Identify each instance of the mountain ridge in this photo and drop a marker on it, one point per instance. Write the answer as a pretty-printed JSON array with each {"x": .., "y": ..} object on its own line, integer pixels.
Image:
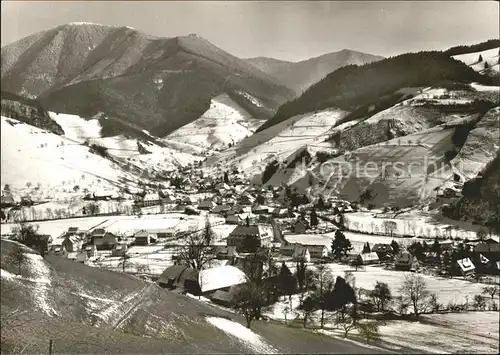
[
  {"x": 88, "y": 69},
  {"x": 302, "y": 74}
]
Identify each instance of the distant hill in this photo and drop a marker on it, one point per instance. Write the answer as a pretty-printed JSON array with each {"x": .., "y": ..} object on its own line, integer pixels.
[
  {"x": 301, "y": 75},
  {"x": 356, "y": 88},
  {"x": 29, "y": 111},
  {"x": 158, "y": 84}
]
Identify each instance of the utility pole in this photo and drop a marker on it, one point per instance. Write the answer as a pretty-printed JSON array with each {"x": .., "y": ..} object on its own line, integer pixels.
[{"x": 51, "y": 347}]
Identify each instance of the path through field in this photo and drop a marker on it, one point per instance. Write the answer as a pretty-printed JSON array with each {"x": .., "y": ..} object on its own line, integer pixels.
[{"x": 118, "y": 313}]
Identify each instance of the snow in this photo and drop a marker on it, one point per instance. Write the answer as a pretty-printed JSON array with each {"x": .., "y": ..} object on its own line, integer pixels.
[
  {"x": 481, "y": 87},
  {"x": 406, "y": 224},
  {"x": 247, "y": 336},
  {"x": 220, "y": 277},
  {"x": 471, "y": 59},
  {"x": 4, "y": 274},
  {"x": 279, "y": 141},
  {"x": 250, "y": 98},
  {"x": 225, "y": 122},
  {"x": 77, "y": 128},
  {"x": 42, "y": 153},
  {"x": 471, "y": 332},
  {"x": 41, "y": 274}
]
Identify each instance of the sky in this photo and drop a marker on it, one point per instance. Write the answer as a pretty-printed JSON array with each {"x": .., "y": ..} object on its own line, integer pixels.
[{"x": 287, "y": 30}]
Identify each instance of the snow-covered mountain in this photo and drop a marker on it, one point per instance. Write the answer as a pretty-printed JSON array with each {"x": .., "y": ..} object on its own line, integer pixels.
[
  {"x": 157, "y": 84},
  {"x": 397, "y": 119}
]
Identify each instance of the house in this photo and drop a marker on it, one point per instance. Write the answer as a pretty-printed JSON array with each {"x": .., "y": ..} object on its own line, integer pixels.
[
  {"x": 143, "y": 237},
  {"x": 190, "y": 210},
  {"x": 225, "y": 297},
  {"x": 490, "y": 250},
  {"x": 466, "y": 267},
  {"x": 368, "y": 258},
  {"x": 220, "y": 278},
  {"x": 242, "y": 234},
  {"x": 91, "y": 250},
  {"x": 246, "y": 199},
  {"x": 119, "y": 250},
  {"x": 151, "y": 199},
  {"x": 72, "y": 244},
  {"x": 162, "y": 232},
  {"x": 222, "y": 186},
  {"x": 207, "y": 205},
  {"x": 180, "y": 277},
  {"x": 317, "y": 251},
  {"x": 58, "y": 249},
  {"x": 103, "y": 240},
  {"x": 287, "y": 249},
  {"x": 260, "y": 209},
  {"x": 75, "y": 231},
  {"x": 382, "y": 250},
  {"x": 446, "y": 244},
  {"x": 300, "y": 226},
  {"x": 206, "y": 282},
  {"x": 168, "y": 199},
  {"x": 301, "y": 253},
  {"x": 238, "y": 209},
  {"x": 280, "y": 212},
  {"x": 405, "y": 261},
  {"x": 189, "y": 200},
  {"x": 221, "y": 209},
  {"x": 224, "y": 252},
  {"x": 234, "y": 219}
]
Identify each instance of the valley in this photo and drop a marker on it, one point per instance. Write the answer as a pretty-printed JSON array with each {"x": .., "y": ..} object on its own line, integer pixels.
[{"x": 160, "y": 194}]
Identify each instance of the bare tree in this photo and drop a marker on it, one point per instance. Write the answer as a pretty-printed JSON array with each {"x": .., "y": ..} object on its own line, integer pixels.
[
  {"x": 307, "y": 308},
  {"x": 92, "y": 208},
  {"x": 17, "y": 256},
  {"x": 381, "y": 296},
  {"x": 195, "y": 252},
  {"x": 389, "y": 227},
  {"x": 325, "y": 284},
  {"x": 249, "y": 300},
  {"x": 350, "y": 320},
  {"x": 369, "y": 331},
  {"x": 414, "y": 290},
  {"x": 125, "y": 262},
  {"x": 479, "y": 302},
  {"x": 490, "y": 290}
]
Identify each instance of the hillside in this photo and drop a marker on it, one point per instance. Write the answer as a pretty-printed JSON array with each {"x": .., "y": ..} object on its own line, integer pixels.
[
  {"x": 31, "y": 155},
  {"x": 224, "y": 124},
  {"x": 29, "y": 111},
  {"x": 301, "y": 75},
  {"x": 157, "y": 84},
  {"x": 252, "y": 154},
  {"x": 361, "y": 89},
  {"x": 486, "y": 62},
  {"x": 88, "y": 310}
]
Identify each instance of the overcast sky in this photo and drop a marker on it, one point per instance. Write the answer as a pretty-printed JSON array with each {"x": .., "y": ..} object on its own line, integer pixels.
[{"x": 292, "y": 30}]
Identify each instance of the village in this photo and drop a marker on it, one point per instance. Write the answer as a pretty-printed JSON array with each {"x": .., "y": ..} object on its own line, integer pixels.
[{"x": 209, "y": 237}]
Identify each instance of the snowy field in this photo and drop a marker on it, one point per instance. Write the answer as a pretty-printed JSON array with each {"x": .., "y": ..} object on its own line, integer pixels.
[
  {"x": 471, "y": 332},
  {"x": 365, "y": 222},
  {"x": 224, "y": 123},
  {"x": 471, "y": 59},
  {"x": 280, "y": 140},
  {"x": 125, "y": 225}
]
